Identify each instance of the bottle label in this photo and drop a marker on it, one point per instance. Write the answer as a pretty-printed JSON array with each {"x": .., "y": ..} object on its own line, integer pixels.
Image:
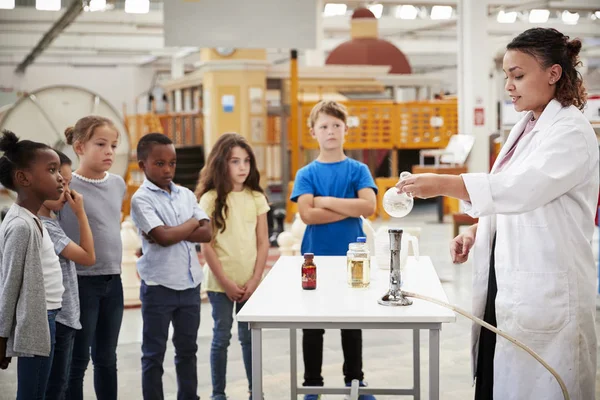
[{"x": 309, "y": 278}]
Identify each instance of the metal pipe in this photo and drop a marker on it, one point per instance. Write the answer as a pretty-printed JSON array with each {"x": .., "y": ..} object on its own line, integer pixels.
[
  {"x": 294, "y": 131},
  {"x": 60, "y": 25},
  {"x": 284, "y": 138}
]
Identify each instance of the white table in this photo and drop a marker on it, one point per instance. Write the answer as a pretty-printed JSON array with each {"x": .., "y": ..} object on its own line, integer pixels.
[{"x": 281, "y": 303}]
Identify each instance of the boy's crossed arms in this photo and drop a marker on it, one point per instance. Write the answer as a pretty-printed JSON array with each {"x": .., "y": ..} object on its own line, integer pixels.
[{"x": 326, "y": 209}]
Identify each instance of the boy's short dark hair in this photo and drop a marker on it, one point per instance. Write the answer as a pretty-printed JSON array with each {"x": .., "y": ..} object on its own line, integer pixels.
[
  {"x": 64, "y": 159},
  {"x": 147, "y": 141}
]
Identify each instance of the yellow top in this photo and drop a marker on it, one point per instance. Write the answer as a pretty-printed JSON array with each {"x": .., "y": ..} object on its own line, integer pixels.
[{"x": 236, "y": 248}]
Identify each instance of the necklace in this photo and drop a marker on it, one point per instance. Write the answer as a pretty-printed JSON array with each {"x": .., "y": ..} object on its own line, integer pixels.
[{"x": 90, "y": 180}]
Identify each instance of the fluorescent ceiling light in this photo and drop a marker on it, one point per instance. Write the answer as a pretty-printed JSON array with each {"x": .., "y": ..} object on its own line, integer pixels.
[
  {"x": 376, "y": 9},
  {"x": 137, "y": 6},
  {"x": 332, "y": 9},
  {"x": 7, "y": 4},
  {"x": 538, "y": 16},
  {"x": 597, "y": 14},
  {"x": 406, "y": 12},
  {"x": 441, "y": 12},
  {"x": 507, "y": 17},
  {"x": 570, "y": 18},
  {"x": 47, "y": 5},
  {"x": 96, "y": 5}
]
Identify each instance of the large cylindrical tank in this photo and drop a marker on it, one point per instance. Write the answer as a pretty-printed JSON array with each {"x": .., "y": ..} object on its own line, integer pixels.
[{"x": 44, "y": 114}]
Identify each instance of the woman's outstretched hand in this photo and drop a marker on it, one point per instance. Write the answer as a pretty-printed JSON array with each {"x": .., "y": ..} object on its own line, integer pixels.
[
  {"x": 422, "y": 186},
  {"x": 461, "y": 245}
]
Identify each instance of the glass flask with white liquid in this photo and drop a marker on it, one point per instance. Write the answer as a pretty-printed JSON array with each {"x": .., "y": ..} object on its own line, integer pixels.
[{"x": 396, "y": 204}]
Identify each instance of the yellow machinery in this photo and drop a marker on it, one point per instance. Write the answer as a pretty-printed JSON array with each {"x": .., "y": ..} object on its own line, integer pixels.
[
  {"x": 389, "y": 125},
  {"x": 183, "y": 129},
  {"x": 376, "y": 125}
]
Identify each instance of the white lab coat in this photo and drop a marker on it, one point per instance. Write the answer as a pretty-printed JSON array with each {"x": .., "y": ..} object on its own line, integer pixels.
[{"x": 542, "y": 207}]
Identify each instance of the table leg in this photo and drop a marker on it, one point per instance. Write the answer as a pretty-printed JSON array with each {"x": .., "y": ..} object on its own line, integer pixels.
[
  {"x": 293, "y": 365},
  {"x": 416, "y": 365},
  {"x": 354, "y": 389},
  {"x": 257, "y": 382},
  {"x": 434, "y": 364}
]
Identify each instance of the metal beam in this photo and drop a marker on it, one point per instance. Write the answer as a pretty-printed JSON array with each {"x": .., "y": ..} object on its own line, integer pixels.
[
  {"x": 65, "y": 20},
  {"x": 119, "y": 17},
  {"x": 79, "y": 28},
  {"x": 409, "y": 46},
  {"x": 96, "y": 42}
]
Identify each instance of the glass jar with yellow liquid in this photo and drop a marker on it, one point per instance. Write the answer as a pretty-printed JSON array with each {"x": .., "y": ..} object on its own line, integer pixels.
[{"x": 359, "y": 264}]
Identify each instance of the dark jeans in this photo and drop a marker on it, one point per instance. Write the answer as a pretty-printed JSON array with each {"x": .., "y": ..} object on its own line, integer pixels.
[
  {"x": 222, "y": 313},
  {"x": 33, "y": 372},
  {"x": 162, "y": 306},
  {"x": 312, "y": 350},
  {"x": 61, "y": 364},
  {"x": 101, "y": 302}
]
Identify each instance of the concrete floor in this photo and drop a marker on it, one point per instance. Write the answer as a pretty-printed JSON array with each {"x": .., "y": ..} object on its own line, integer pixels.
[{"x": 387, "y": 354}]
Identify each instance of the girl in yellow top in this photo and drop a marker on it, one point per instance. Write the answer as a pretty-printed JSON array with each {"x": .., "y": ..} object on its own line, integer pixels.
[{"x": 230, "y": 194}]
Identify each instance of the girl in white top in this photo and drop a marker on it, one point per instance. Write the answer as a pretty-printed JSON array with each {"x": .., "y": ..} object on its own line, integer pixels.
[{"x": 30, "y": 275}]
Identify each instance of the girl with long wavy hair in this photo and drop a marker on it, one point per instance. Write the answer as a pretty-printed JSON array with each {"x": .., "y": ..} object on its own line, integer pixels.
[{"x": 230, "y": 193}]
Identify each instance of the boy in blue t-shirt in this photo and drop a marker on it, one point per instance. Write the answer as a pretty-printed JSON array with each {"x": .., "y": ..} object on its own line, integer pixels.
[{"x": 332, "y": 193}]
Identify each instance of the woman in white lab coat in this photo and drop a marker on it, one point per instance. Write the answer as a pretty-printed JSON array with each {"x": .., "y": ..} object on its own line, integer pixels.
[{"x": 534, "y": 273}]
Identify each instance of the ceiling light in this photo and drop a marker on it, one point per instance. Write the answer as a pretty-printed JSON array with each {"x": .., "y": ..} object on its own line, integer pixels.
[
  {"x": 406, "y": 12},
  {"x": 137, "y": 6},
  {"x": 507, "y": 17},
  {"x": 47, "y": 5},
  {"x": 333, "y": 9},
  {"x": 441, "y": 12},
  {"x": 7, "y": 4},
  {"x": 376, "y": 9},
  {"x": 570, "y": 18},
  {"x": 538, "y": 16},
  {"x": 96, "y": 5}
]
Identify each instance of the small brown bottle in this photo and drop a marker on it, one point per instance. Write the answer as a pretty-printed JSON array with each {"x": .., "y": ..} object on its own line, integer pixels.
[{"x": 309, "y": 272}]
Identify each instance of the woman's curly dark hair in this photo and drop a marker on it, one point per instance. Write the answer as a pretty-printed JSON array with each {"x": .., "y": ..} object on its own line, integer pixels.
[{"x": 550, "y": 47}]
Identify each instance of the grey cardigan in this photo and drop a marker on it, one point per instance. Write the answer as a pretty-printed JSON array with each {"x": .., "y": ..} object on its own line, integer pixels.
[{"x": 23, "y": 315}]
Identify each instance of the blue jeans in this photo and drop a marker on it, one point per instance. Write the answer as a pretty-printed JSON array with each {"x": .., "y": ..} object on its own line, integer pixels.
[
  {"x": 61, "y": 364},
  {"x": 33, "y": 372},
  {"x": 162, "y": 306},
  {"x": 222, "y": 313},
  {"x": 101, "y": 302}
]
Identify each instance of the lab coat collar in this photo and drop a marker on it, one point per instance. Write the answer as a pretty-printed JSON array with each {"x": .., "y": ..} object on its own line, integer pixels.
[
  {"x": 545, "y": 119},
  {"x": 547, "y": 115}
]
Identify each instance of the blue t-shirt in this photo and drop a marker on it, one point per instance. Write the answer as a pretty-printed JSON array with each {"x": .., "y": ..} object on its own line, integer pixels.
[{"x": 342, "y": 179}]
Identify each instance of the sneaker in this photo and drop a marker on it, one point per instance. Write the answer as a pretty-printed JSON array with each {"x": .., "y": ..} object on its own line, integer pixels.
[
  {"x": 362, "y": 396},
  {"x": 312, "y": 397}
]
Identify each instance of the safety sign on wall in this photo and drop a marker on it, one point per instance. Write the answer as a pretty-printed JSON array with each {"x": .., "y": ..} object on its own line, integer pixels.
[
  {"x": 228, "y": 102},
  {"x": 479, "y": 117}
]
